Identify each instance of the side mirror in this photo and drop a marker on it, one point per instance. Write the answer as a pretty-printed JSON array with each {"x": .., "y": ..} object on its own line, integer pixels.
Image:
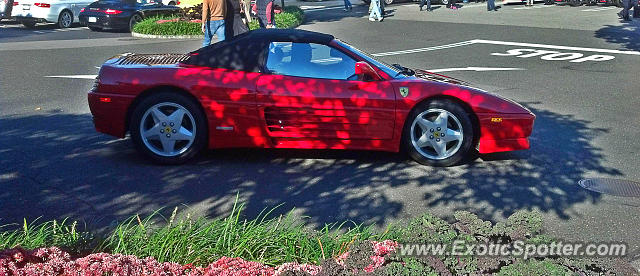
[{"x": 365, "y": 72}]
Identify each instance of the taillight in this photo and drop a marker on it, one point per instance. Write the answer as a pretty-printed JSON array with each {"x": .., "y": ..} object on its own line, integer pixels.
[
  {"x": 82, "y": 10},
  {"x": 16, "y": 3},
  {"x": 112, "y": 11},
  {"x": 42, "y": 5},
  {"x": 178, "y": 3}
]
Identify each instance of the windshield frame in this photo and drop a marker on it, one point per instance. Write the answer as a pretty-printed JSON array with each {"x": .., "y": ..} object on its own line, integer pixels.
[{"x": 390, "y": 70}]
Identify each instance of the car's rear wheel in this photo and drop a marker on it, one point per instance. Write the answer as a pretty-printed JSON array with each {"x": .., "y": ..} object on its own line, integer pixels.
[
  {"x": 438, "y": 133},
  {"x": 172, "y": 3},
  {"x": 168, "y": 127},
  {"x": 65, "y": 19},
  {"x": 135, "y": 19}
]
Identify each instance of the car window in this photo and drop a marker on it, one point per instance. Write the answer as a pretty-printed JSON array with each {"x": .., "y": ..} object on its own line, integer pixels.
[{"x": 309, "y": 60}]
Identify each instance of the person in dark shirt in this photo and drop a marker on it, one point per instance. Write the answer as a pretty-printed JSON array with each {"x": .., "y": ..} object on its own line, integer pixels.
[
  {"x": 234, "y": 25},
  {"x": 264, "y": 10}
]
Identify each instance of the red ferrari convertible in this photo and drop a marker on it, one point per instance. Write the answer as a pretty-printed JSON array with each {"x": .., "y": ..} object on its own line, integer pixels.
[{"x": 297, "y": 89}]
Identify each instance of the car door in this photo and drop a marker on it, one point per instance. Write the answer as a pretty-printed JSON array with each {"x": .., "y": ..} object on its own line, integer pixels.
[{"x": 310, "y": 91}]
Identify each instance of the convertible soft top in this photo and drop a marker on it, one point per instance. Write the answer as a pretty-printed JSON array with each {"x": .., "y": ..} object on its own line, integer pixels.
[{"x": 244, "y": 52}]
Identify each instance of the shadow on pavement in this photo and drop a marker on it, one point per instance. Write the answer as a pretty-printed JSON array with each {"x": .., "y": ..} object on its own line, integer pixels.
[
  {"x": 56, "y": 166},
  {"x": 627, "y": 35}
]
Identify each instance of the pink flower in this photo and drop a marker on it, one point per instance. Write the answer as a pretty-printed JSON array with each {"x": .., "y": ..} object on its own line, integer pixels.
[{"x": 296, "y": 267}]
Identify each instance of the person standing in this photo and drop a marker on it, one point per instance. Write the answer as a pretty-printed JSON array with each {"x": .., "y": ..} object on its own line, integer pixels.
[
  {"x": 375, "y": 13},
  {"x": 491, "y": 5},
  {"x": 624, "y": 13},
  {"x": 428, "y": 4},
  {"x": 234, "y": 25},
  {"x": 213, "y": 12},
  {"x": 265, "y": 13},
  {"x": 347, "y": 5}
]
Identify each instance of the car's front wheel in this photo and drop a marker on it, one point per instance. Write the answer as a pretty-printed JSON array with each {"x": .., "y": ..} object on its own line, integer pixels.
[
  {"x": 168, "y": 127},
  {"x": 65, "y": 19},
  {"x": 438, "y": 133}
]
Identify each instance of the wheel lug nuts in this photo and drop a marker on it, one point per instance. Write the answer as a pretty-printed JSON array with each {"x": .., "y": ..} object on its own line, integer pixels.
[
  {"x": 164, "y": 124},
  {"x": 168, "y": 135},
  {"x": 431, "y": 130},
  {"x": 174, "y": 131},
  {"x": 438, "y": 140},
  {"x": 431, "y": 137},
  {"x": 162, "y": 131},
  {"x": 171, "y": 124},
  {"x": 438, "y": 129}
]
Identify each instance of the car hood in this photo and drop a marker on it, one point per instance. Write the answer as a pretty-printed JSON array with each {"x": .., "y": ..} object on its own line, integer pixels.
[{"x": 430, "y": 76}]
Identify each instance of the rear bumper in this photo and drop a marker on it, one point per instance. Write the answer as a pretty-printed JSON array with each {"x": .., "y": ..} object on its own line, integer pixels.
[
  {"x": 109, "y": 112},
  {"x": 104, "y": 21},
  {"x": 504, "y": 132}
]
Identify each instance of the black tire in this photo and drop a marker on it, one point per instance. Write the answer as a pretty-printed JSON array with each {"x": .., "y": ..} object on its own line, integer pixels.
[
  {"x": 95, "y": 29},
  {"x": 172, "y": 3},
  {"x": 135, "y": 19},
  {"x": 466, "y": 146},
  {"x": 29, "y": 24},
  {"x": 444, "y": 2},
  {"x": 65, "y": 19},
  {"x": 367, "y": 1},
  {"x": 574, "y": 3},
  {"x": 388, "y": 2},
  {"x": 200, "y": 126}
]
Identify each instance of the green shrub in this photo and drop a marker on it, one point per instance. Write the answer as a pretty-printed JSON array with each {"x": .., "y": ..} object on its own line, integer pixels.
[
  {"x": 149, "y": 26},
  {"x": 428, "y": 229},
  {"x": 291, "y": 17},
  {"x": 535, "y": 268},
  {"x": 411, "y": 267}
]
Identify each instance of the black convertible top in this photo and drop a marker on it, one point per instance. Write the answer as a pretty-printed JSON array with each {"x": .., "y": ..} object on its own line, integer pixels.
[
  {"x": 290, "y": 35},
  {"x": 245, "y": 52}
]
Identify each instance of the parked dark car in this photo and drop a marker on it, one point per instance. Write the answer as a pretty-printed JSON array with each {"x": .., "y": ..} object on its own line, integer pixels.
[
  {"x": 121, "y": 14},
  {"x": 5, "y": 8}
]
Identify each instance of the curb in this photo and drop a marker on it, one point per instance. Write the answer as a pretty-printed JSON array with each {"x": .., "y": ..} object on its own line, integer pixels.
[{"x": 166, "y": 36}]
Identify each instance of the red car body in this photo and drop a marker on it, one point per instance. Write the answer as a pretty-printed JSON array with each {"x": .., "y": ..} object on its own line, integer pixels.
[{"x": 255, "y": 109}]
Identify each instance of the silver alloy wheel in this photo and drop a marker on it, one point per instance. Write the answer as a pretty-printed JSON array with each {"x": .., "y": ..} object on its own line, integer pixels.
[
  {"x": 436, "y": 134},
  {"x": 66, "y": 18},
  {"x": 168, "y": 129}
]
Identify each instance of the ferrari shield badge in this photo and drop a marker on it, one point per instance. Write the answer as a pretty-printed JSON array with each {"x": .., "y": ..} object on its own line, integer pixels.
[{"x": 404, "y": 91}]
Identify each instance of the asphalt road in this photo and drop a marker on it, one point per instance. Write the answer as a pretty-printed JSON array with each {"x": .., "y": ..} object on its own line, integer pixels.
[{"x": 586, "y": 98}]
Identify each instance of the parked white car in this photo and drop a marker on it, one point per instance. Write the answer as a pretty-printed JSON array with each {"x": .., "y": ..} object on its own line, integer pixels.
[{"x": 62, "y": 12}]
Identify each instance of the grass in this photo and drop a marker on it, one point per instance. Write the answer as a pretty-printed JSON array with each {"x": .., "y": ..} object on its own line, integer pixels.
[
  {"x": 35, "y": 234},
  {"x": 291, "y": 17},
  {"x": 266, "y": 239}
]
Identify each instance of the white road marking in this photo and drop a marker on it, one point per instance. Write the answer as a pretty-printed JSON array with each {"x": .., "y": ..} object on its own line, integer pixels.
[
  {"x": 411, "y": 51},
  {"x": 599, "y": 9},
  {"x": 324, "y": 9},
  {"x": 88, "y": 77},
  {"x": 534, "y": 7},
  {"x": 557, "y": 47},
  {"x": 477, "y": 69}
]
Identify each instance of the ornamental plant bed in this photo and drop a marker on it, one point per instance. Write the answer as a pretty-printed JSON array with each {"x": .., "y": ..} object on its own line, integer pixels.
[
  {"x": 189, "y": 22},
  {"x": 280, "y": 246}
]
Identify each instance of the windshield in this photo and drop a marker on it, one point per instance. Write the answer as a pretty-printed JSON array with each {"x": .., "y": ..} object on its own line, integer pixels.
[{"x": 387, "y": 68}]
